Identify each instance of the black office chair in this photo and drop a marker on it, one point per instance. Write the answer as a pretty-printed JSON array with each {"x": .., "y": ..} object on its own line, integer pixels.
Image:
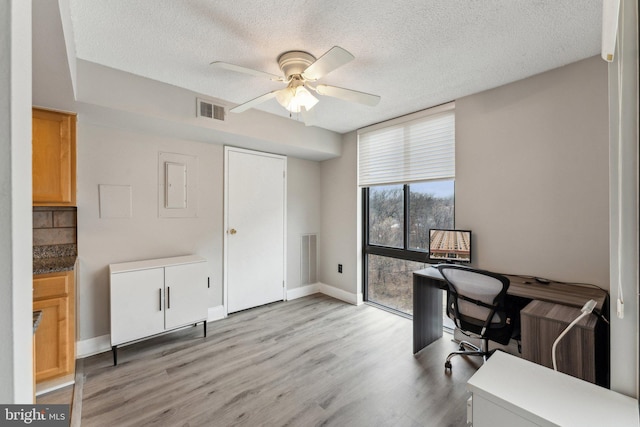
[{"x": 476, "y": 303}]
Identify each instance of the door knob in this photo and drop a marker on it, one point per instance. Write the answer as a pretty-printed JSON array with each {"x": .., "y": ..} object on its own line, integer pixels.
[{"x": 232, "y": 231}]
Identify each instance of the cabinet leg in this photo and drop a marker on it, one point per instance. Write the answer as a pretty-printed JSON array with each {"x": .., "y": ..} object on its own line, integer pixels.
[
  {"x": 204, "y": 325},
  {"x": 114, "y": 349}
]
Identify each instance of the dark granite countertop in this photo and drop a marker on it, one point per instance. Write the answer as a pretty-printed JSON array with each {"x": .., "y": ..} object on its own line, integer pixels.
[
  {"x": 53, "y": 264},
  {"x": 37, "y": 317},
  {"x": 54, "y": 258}
]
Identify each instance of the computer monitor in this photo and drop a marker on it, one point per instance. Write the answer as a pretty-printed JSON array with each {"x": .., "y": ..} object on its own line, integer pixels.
[{"x": 450, "y": 245}]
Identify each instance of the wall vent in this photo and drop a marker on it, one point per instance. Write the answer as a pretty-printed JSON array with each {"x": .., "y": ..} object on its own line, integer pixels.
[
  {"x": 308, "y": 259},
  {"x": 209, "y": 110}
]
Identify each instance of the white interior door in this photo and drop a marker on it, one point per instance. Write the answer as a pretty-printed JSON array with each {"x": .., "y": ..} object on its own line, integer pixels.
[{"x": 255, "y": 197}]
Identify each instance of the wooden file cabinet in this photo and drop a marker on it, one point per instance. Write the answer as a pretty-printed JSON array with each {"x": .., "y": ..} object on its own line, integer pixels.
[{"x": 582, "y": 353}]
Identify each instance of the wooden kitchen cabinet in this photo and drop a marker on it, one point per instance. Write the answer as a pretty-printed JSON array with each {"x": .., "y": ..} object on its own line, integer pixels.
[
  {"x": 54, "y": 295},
  {"x": 54, "y": 158}
]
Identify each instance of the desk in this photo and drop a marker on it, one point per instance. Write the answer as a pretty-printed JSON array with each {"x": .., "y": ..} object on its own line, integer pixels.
[
  {"x": 509, "y": 391},
  {"x": 427, "y": 300}
]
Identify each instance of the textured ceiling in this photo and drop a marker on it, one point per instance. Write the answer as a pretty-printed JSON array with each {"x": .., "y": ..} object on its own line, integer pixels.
[{"x": 413, "y": 53}]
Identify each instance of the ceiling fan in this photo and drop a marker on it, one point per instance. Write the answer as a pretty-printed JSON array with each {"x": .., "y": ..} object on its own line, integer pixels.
[{"x": 300, "y": 69}]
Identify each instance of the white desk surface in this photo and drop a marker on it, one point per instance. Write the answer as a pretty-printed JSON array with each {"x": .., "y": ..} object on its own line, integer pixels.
[{"x": 550, "y": 398}]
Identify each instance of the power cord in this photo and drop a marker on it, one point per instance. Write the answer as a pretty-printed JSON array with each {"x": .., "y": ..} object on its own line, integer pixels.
[{"x": 586, "y": 309}]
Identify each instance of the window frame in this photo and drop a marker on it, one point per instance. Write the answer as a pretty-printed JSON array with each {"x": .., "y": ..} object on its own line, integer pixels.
[{"x": 404, "y": 253}]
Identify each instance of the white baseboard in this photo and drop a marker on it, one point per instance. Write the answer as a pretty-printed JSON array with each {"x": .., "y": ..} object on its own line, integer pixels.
[
  {"x": 47, "y": 386},
  {"x": 86, "y": 348},
  {"x": 355, "y": 299},
  {"x": 329, "y": 290},
  {"x": 303, "y": 291},
  {"x": 216, "y": 313},
  {"x": 91, "y": 346}
]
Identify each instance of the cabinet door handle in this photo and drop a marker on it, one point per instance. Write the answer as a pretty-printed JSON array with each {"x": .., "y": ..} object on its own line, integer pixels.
[
  {"x": 160, "y": 299},
  {"x": 168, "y": 297}
]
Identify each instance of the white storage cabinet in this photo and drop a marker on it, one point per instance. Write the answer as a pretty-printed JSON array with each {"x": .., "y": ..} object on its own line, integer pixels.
[
  {"x": 155, "y": 296},
  {"x": 509, "y": 391}
]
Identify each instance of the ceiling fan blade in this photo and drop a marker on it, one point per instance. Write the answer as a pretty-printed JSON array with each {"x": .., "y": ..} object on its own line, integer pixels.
[
  {"x": 250, "y": 104},
  {"x": 239, "y": 69},
  {"x": 332, "y": 59},
  {"x": 348, "y": 95}
]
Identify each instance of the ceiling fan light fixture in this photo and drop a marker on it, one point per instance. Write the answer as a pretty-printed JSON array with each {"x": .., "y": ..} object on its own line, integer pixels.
[
  {"x": 300, "y": 68},
  {"x": 294, "y": 99}
]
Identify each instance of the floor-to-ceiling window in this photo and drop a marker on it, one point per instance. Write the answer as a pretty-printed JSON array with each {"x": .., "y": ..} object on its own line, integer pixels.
[
  {"x": 407, "y": 173},
  {"x": 397, "y": 223}
]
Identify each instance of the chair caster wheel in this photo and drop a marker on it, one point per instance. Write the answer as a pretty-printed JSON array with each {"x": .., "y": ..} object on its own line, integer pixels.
[{"x": 447, "y": 365}]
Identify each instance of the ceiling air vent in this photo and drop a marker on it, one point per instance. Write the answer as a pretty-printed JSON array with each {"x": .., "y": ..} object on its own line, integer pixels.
[{"x": 209, "y": 110}]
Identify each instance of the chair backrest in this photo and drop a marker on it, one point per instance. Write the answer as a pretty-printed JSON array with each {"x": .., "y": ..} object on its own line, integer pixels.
[{"x": 476, "y": 298}]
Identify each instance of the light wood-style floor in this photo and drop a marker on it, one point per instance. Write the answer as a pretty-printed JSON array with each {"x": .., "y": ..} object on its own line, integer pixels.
[{"x": 313, "y": 361}]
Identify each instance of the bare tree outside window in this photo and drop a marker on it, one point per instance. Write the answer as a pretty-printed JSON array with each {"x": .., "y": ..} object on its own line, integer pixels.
[
  {"x": 430, "y": 205},
  {"x": 391, "y": 282},
  {"x": 386, "y": 216}
]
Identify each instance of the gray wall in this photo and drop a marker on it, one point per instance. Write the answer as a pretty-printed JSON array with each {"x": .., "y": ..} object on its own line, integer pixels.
[
  {"x": 531, "y": 168},
  {"x": 532, "y": 174},
  {"x": 118, "y": 157},
  {"x": 113, "y": 156},
  {"x": 340, "y": 219},
  {"x": 303, "y": 212}
]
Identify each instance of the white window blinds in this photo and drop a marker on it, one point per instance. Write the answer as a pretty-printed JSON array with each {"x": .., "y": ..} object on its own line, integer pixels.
[{"x": 408, "y": 149}]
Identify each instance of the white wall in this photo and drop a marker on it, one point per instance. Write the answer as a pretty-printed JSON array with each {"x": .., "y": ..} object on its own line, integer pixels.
[
  {"x": 532, "y": 174},
  {"x": 112, "y": 156},
  {"x": 340, "y": 203},
  {"x": 52, "y": 83},
  {"x": 303, "y": 211},
  {"x": 16, "y": 375},
  {"x": 624, "y": 203}
]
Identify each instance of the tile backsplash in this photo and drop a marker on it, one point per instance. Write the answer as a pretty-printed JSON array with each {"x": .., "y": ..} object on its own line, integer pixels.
[{"x": 54, "y": 225}]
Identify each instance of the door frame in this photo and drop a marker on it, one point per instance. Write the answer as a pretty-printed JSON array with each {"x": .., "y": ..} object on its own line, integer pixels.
[{"x": 225, "y": 231}]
